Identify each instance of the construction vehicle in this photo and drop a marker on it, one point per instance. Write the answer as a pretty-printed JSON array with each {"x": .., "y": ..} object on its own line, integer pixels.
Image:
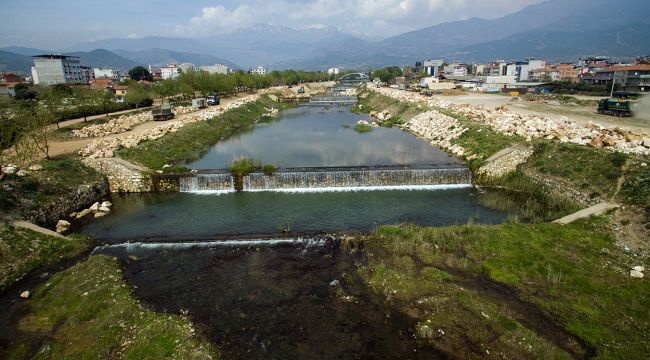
[
  {"x": 301, "y": 90},
  {"x": 162, "y": 113},
  {"x": 615, "y": 107}
]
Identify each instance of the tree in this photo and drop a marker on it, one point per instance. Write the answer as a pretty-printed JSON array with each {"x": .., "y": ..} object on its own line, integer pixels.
[
  {"x": 25, "y": 92},
  {"x": 137, "y": 96},
  {"x": 139, "y": 73}
]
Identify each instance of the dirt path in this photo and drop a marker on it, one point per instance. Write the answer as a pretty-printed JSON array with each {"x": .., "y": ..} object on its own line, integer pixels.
[
  {"x": 71, "y": 122},
  {"x": 579, "y": 114},
  {"x": 73, "y": 146}
]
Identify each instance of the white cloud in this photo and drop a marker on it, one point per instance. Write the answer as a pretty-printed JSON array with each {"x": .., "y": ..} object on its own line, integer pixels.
[{"x": 382, "y": 17}]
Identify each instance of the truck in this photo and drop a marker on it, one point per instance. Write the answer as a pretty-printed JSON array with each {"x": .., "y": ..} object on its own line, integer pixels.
[
  {"x": 198, "y": 103},
  {"x": 615, "y": 107},
  {"x": 213, "y": 100},
  {"x": 163, "y": 112}
]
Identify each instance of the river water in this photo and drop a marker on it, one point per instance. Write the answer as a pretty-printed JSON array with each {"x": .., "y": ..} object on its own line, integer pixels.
[{"x": 292, "y": 298}]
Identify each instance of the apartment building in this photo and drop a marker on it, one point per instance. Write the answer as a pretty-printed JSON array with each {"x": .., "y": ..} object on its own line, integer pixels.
[{"x": 56, "y": 69}]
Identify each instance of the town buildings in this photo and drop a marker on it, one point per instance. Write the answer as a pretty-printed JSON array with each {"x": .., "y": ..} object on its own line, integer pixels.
[
  {"x": 106, "y": 73},
  {"x": 216, "y": 69},
  {"x": 260, "y": 70},
  {"x": 333, "y": 71},
  {"x": 56, "y": 69},
  {"x": 87, "y": 74},
  {"x": 170, "y": 71},
  {"x": 631, "y": 78},
  {"x": 432, "y": 67}
]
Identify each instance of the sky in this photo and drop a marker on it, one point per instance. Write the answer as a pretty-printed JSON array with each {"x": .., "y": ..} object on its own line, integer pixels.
[{"x": 56, "y": 24}]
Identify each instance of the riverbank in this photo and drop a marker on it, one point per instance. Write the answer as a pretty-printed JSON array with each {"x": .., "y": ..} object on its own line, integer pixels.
[{"x": 88, "y": 311}]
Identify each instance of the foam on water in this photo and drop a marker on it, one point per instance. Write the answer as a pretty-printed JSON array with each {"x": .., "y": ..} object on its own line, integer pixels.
[
  {"x": 134, "y": 246},
  {"x": 366, "y": 188}
]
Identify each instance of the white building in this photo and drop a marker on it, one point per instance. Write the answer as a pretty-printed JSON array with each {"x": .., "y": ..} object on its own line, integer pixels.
[
  {"x": 56, "y": 69},
  {"x": 34, "y": 75},
  {"x": 189, "y": 67},
  {"x": 333, "y": 71},
  {"x": 106, "y": 73},
  {"x": 216, "y": 69},
  {"x": 432, "y": 67},
  {"x": 521, "y": 69},
  {"x": 260, "y": 70},
  {"x": 170, "y": 71}
]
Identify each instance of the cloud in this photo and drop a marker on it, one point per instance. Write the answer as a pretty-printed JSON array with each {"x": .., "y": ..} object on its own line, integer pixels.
[{"x": 383, "y": 17}]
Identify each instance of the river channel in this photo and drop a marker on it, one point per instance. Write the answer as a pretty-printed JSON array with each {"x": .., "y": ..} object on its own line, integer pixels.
[{"x": 208, "y": 254}]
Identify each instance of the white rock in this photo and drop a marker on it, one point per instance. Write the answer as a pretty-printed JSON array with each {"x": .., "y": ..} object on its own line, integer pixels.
[
  {"x": 21, "y": 173},
  {"x": 334, "y": 283},
  {"x": 644, "y": 164},
  {"x": 636, "y": 274},
  {"x": 94, "y": 207},
  {"x": 25, "y": 294},
  {"x": 83, "y": 213},
  {"x": 37, "y": 167},
  {"x": 104, "y": 209},
  {"x": 62, "y": 226},
  {"x": 166, "y": 166},
  {"x": 646, "y": 142},
  {"x": 10, "y": 169},
  {"x": 639, "y": 268},
  {"x": 100, "y": 214},
  {"x": 106, "y": 204}
]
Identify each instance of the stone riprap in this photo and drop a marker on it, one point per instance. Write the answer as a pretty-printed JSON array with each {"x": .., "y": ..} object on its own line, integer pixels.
[
  {"x": 533, "y": 126},
  {"x": 505, "y": 161},
  {"x": 105, "y": 148},
  {"x": 439, "y": 130},
  {"x": 123, "y": 123},
  {"x": 123, "y": 176}
]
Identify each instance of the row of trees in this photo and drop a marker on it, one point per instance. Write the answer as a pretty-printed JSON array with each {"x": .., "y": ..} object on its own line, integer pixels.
[{"x": 387, "y": 74}]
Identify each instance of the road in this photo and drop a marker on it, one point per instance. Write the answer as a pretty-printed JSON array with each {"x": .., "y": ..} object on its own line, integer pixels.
[
  {"x": 579, "y": 114},
  {"x": 70, "y": 122}
]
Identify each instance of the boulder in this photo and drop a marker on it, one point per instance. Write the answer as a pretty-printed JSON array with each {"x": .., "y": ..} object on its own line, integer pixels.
[
  {"x": 21, "y": 173},
  {"x": 104, "y": 209},
  {"x": 646, "y": 142},
  {"x": 37, "y": 167},
  {"x": 639, "y": 268},
  {"x": 106, "y": 204},
  {"x": 25, "y": 294},
  {"x": 10, "y": 169},
  {"x": 636, "y": 274},
  {"x": 62, "y": 226},
  {"x": 83, "y": 213},
  {"x": 94, "y": 207},
  {"x": 100, "y": 214},
  {"x": 334, "y": 283}
]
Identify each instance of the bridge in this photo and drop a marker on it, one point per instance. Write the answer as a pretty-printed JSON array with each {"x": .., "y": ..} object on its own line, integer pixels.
[
  {"x": 354, "y": 78},
  {"x": 334, "y": 100}
]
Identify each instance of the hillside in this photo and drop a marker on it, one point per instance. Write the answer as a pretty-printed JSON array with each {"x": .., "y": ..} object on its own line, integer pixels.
[
  {"x": 15, "y": 63},
  {"x": 158, "y": 57},
  {"x": 104, "y": 58}
]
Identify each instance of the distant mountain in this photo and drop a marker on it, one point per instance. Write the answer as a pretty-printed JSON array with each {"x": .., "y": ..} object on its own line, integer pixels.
[
  {"x": 20, "y": 50},
  {"x": 158, "y": 57},
  {"x": 16, "y": 63},
  {"x": 104, "y": 58},
  {"x": 622, "y": 30}
]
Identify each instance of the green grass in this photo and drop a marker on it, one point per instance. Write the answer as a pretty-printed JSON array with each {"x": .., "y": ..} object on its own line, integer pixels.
[
  {"x": 88, "y": 312},
  {"x": 269, "y": 169},
  {"x": 595, "y": 171},
  {"x": 22, "y": 251},
  {"x": 574, "y": 273},
  {"x": 243, "y": 166},
  {"x": 363, "y": 128},
  {"x": 400, "y": 111},
  {"x": 193, "y": 140}
]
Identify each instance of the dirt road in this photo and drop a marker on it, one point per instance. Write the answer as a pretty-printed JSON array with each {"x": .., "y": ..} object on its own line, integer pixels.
[{"x": 579, "y": 114}]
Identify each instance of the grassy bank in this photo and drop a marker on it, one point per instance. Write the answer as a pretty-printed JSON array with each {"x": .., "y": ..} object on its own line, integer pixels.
[
  {"x": 22, "y": 251},
  {"x": 479, "y": 291},
  {"x": 195, "y": 139},
  {"x": 88, "y": 312},
  {"x": 60, "y": 177}
]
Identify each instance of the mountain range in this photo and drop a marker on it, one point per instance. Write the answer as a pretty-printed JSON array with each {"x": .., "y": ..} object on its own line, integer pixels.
[{"x": 554, "y": 29}]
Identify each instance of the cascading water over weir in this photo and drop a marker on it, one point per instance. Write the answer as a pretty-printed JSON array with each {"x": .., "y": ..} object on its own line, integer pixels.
[{"x": 331, "y": 179}]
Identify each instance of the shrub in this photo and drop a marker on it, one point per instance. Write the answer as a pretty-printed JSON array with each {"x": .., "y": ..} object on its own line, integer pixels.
[
  {"x": 242, "y": 166},
  {"x": 269, "y": 169},
  {"x": 363, "y": 128}
]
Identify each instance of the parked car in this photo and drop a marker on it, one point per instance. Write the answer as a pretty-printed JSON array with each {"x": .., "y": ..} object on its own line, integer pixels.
[{"x": 213, "y": 100}]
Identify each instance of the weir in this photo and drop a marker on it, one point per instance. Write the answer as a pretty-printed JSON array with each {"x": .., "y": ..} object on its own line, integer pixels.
[{"x": 330, "y": 178}]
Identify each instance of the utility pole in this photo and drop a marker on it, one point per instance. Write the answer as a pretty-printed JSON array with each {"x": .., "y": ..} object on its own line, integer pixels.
[{"x": 611, "y": 93}]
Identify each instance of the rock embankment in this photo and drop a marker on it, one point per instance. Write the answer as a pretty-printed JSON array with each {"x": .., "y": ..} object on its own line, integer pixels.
[
  {"x": 536, "y": 126},
  {"x": 439, "y": 130},
  {"x": 122, "y": 124},
  {"x": 105, "y": 148}
]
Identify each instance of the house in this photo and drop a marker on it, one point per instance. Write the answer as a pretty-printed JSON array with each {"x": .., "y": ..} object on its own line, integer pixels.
[
  {"x": 56, "y": 69},
  {"x": 102, "y": 83},
  {"x": 260, "y": 70},
  {"x": 120, "y": 92},
  {"x": 170, "y": 71},
  {"x": 629, "y": 78},
  {"x": 216, "y": 69},
  {"x": 87, "y": 74},
  {"x": 106, "y": 73},
  {"x": 432, "y": 67},
  {"x": 333, "y": 71},
  {"x": 521, "y": 69},
  {"x": 544, "y": 74}
]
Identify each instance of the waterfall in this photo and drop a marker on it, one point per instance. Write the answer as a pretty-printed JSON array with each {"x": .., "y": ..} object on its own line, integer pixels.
[
  {"x": 371, "y": 178},
  {"x": 338, "y": 179},
  {"x": 207, "y": 182}
]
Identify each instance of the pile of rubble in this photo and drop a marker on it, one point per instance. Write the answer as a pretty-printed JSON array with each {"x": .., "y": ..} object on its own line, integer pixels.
[
  {"x": 438, "y": 129},
  {"x": 348, "y": 92},
  {"x": 104, "y": 148},
  {"x": 123, "y": 123},
  {"x": 532, "y": 126}
]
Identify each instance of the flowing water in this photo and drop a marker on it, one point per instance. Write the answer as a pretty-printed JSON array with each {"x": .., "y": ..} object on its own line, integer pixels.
[
  {"x": 309, "y": 136},
  {"x": 288, "y": 298}
]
